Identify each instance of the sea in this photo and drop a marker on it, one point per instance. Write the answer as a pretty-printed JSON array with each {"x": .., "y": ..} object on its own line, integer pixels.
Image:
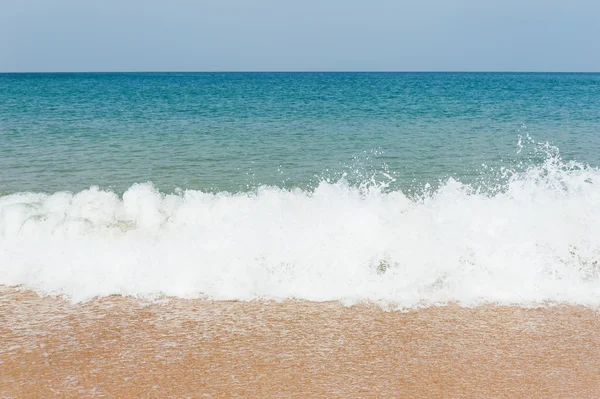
[{"x": 404, "y": 189}]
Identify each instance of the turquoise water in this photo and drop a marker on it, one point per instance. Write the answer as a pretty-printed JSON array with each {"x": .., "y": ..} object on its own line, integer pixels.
[
  {"x": 407, "y": 189},
  {"x": 237, "y": 131}
]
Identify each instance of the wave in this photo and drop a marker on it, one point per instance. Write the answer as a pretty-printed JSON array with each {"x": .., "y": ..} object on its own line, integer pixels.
[{"x": 535, "y": 241}]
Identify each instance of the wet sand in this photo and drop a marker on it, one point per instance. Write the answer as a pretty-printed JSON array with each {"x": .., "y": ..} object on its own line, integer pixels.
[{"x": 127, "y": 348}]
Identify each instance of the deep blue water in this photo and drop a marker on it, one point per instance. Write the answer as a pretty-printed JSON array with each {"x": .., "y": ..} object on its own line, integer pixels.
[{"x": 238, "y": 131}]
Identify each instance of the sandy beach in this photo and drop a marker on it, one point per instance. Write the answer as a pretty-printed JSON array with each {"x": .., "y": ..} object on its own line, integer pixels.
[{"x": 124, "y": 348}]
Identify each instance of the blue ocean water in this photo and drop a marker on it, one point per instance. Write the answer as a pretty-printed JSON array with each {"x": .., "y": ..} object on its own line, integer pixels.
[
  {"x": 238, "y": 131},
  {"x": 411, "y": 189}
]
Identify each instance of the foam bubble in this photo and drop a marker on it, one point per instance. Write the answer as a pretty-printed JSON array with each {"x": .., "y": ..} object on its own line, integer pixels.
[{"x": 536, "y": 240}]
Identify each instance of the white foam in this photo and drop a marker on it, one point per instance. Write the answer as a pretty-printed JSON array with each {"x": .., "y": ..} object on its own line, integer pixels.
[{"x": 537, "y": 241}]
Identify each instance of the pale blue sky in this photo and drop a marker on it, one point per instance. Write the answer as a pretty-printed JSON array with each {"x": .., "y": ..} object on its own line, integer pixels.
[{"x": 232, "y": 35}]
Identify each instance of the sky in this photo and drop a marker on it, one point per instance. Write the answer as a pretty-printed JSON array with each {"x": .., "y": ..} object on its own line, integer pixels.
[{"x": 300, "y": 35}]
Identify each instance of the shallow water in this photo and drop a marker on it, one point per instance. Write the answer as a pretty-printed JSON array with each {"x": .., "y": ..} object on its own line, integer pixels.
[{"x": 125, "y": 347}]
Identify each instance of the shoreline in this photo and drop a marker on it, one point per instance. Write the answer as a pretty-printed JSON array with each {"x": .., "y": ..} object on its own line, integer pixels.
[{"x": 125, "y": 347}]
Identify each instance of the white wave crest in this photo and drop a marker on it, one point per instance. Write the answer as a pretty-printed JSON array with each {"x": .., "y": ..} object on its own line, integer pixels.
[{"x": 537, "y": 240}]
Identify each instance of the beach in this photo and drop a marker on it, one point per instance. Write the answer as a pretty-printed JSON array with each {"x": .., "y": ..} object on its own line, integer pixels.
[
  {"x": 299, "y": 235},
  {"x": 125, "y": 347}
]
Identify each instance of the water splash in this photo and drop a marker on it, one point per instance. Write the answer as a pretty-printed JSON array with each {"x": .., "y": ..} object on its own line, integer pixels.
[{"x": 535, "y": 240}]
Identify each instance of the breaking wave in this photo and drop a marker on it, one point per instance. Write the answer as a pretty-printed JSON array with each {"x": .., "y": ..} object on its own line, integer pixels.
[{"x": 536, "y": 240}]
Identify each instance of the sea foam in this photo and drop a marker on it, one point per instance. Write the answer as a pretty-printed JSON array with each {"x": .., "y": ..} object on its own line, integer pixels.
[{"x": 536, "y": 240}]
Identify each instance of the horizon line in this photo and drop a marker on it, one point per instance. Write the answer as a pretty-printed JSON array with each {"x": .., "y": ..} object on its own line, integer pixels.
[{"x": 292, "y": 71}]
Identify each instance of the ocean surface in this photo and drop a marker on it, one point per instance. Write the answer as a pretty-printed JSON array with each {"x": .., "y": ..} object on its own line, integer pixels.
[{"x": 408, "y": 189}]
